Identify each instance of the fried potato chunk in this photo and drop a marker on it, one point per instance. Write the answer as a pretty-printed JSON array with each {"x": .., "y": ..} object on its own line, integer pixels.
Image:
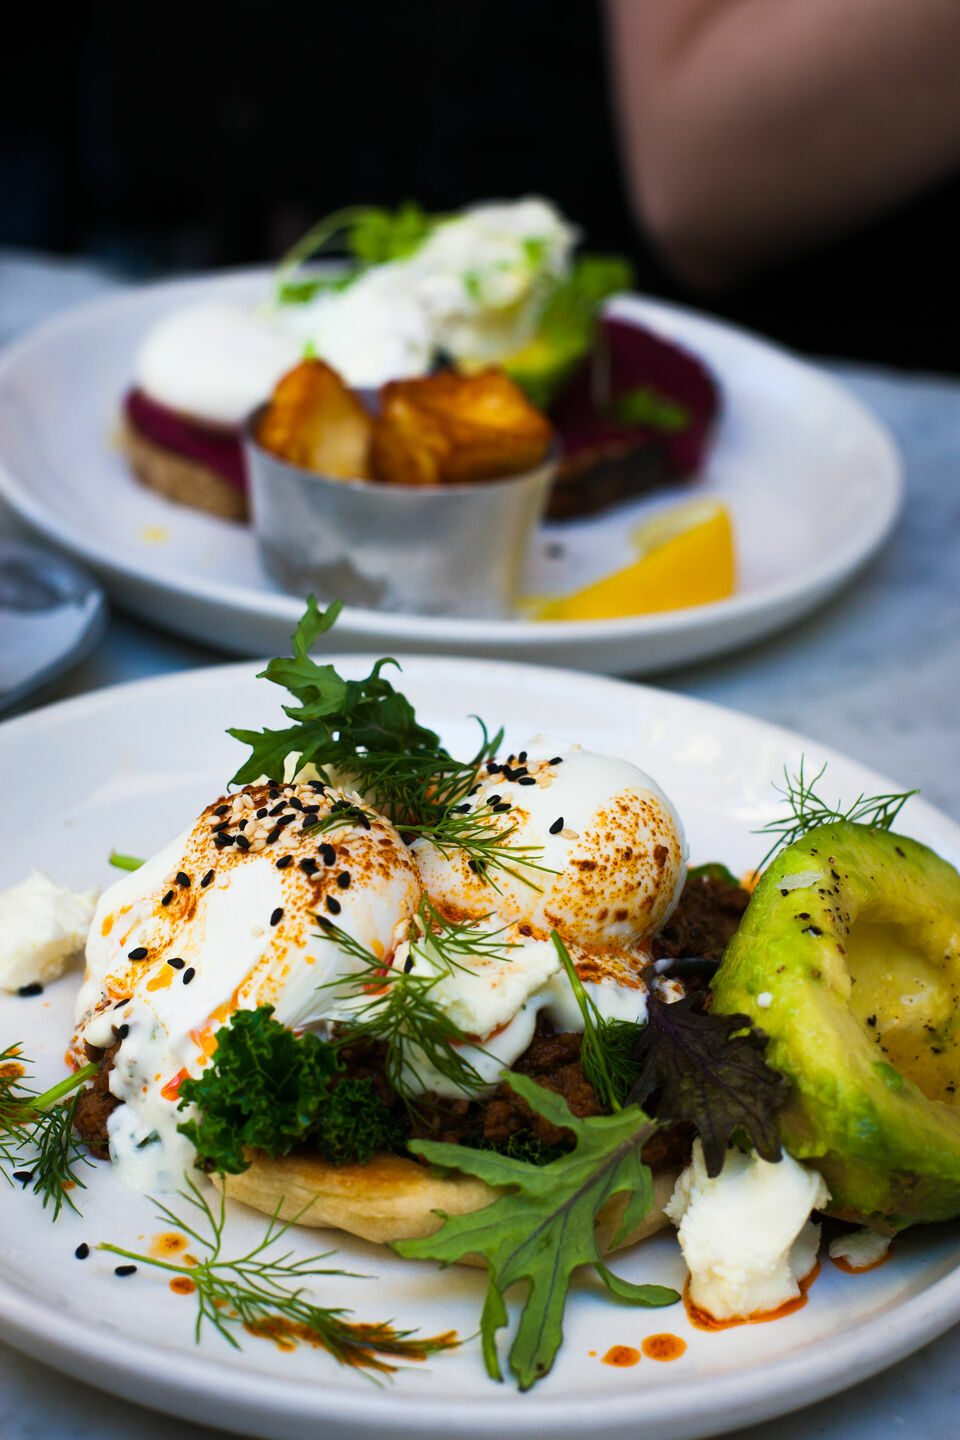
[
  {"x": 451, "y": 427},
  {"x": 313, "y": 420}
]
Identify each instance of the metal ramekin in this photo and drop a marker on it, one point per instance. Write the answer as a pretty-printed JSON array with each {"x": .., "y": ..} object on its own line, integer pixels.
[{"x": 424, "y": 549}]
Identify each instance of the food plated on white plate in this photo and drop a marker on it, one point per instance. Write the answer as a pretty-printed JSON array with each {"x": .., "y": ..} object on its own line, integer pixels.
[
  {"x": 497, "y": 285},
  {"x": 374, "y": 982}
]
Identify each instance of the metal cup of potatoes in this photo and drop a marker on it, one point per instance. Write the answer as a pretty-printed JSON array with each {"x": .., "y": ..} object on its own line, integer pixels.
[{"x": 420, "y": 498}]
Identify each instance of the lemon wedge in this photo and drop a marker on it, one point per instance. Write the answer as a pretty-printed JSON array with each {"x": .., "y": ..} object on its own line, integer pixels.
[{"x": 686, "y": 557}]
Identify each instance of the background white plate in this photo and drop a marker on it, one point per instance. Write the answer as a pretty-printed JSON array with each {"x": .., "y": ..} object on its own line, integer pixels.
[
  {"x": 812, "y": 479},
  {"x": 125, "y": 768}
]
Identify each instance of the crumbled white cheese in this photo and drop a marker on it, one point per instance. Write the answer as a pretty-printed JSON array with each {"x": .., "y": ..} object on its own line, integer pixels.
[
  {"x": 42, "y": 927},
  {"x": 860, "y": 1249},
  {"x": 765, "y": 999},
  {"x": 746, "y": 1235}
]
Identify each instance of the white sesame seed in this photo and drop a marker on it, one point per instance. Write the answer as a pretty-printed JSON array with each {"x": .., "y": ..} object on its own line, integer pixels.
[{"x": 569, "y": 834}]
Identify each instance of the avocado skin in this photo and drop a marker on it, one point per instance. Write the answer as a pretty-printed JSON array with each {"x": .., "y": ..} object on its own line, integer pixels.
[{"x": 890, "y": 1155}]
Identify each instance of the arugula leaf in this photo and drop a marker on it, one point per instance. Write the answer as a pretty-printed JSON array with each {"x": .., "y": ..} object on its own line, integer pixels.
[
  {"x": 269, "y": 1090},
  {"x": 334, "y": 717},
  {"x": 542, "y": 1228},
  {"x": 709, "y": 1070}
]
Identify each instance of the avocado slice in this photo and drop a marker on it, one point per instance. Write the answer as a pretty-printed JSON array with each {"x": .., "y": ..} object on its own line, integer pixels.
[
  {"x": 848, "y": 957},
  {"x": 542, "y": 367}
]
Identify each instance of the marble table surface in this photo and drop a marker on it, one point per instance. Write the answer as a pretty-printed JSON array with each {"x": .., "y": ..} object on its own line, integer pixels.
[{"x": 875, "y": 673}]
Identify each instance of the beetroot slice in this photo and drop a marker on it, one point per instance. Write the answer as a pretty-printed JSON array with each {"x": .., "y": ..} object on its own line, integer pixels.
[
  {"x": 217, "y": 447},
  {"x": 599, "y": 441}
]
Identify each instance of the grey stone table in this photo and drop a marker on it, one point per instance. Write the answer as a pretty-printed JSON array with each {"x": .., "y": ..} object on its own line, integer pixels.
[{"x": 876, "y": 674}]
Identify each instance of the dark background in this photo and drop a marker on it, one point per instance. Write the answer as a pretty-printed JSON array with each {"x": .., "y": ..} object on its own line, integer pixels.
[{"x": 173, "y": 138}]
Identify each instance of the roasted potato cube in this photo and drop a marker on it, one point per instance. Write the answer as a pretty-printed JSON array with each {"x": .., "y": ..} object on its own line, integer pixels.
[
  {"x": 451, "y": 427},
  {"x": 313, "y": 420}
]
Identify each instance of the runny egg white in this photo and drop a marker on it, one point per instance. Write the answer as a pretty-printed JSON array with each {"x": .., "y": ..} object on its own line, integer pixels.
[
  {"x": 230, "y": 915},
  {"x": 224, "y": 918}
]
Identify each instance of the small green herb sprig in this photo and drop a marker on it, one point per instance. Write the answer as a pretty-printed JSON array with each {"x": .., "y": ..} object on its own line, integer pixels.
[
  {"x": 805, "y": 810},
  {"x": 264, "y": 1293},
  {"x": 36, "y": 1132},
  {"x": 124, "y": 862},
  {"x": 608, "y": 1048},
  {"x": 370, "y": 235},
  {"x": 367, "y": 732},
  {"x": 398, "y": 1007}
]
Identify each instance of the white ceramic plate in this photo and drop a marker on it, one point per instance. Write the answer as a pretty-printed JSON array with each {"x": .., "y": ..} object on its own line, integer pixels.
[
  {"x": 126, "y": 768},
  {"x": 812, "y": 480}
]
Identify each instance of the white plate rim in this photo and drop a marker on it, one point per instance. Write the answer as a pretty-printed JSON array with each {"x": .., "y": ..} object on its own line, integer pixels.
[
  {"x": 746, "y": 1395},
  {"x": 844, "y": 560}
]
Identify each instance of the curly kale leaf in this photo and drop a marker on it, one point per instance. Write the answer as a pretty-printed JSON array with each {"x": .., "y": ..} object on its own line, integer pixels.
[
  {"x": 267, "y": 1089},
  {"x": 542, "y": 1226},
  {"x": 709, "y": 1070}
]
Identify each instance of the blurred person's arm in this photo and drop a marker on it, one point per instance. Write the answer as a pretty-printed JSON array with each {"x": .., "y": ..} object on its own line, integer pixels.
[{"x": 751, "y": 129}]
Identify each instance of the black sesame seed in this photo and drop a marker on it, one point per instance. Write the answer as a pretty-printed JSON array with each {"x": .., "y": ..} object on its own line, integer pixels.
[
  {"x": 294, "y": 803},
  {"x": 273, "y": 793},
  {"x": 188, "y": 974},
  {"x": 462, "y": 809},
  {"x": 318, "y": 787},
  {"x": 138, "y": 953},
  {"x": 221, "y": 810},
  {"x": 176, "y": 963},
  {"x": 493, "y": 799},
  {"x": 557, "y": 825},
  {"x": 328, "y": 854},
  {"x": 309, "y": 867},
  {"x": 82, "y": 1250},
  {"x": 284, "y": 861},
  {"x": 243, "y": 824},
  {"x": 277, "y": 915},
  {"x": 472, "y": 865},
  {"x": 408, "y": 965},
  {"x": 167, "y": 898},
  {"x": 120, "y": 1003},
  {"x": 124, "y": 1270},
  {"x": 499, "y": 809},
  {"x": 207, "y": 880},
  {"x": 332, "y": 905},
  {"x": 284, "y": 820},
  {"x": 34, "y": 988},
  {"x": 364, "y": 822},
  {"x": 557, "y": 760},
  {"x": 219, "y": 829},
  {"x": 311, "y": 809},
  {"x": 243, "y": 843},
  {"x": 24, "y": 1176},
  {"x": 123, "y": 1032},
  {"x": 273, "y": 835},
  {"x": 183, "y": 879},
  {"x": 278, "y": 809},
  {"x": 222, "y": 841},
  {"x": 526, "y": 780},
  {"x": 343, "y": 880}
]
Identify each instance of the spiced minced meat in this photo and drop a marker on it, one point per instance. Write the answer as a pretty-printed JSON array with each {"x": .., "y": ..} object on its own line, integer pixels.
[{"x": 706, "y": 918}]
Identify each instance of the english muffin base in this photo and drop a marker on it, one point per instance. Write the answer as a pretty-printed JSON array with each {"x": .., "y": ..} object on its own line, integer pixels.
[
  {"x": 187, "y": 482},
  {"x": 394, "y": 1198}
]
